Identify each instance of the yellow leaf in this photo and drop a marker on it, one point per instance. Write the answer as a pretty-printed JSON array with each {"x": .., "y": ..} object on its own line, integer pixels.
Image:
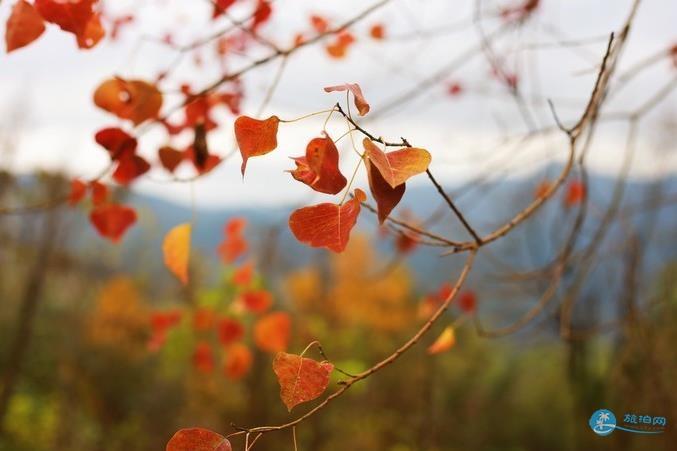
[
  {"x": 176, "y": 249},
  {"x": 444, "y": 342}
]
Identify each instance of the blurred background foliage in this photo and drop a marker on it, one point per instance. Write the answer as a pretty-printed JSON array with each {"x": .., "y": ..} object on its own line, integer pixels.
[{"x": 97, "y": 376}]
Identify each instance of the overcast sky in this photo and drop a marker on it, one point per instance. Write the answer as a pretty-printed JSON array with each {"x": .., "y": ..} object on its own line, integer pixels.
[{"x": 51, "y": 81}]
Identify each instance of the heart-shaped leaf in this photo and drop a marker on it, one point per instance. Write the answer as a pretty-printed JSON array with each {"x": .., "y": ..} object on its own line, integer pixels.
[
  {"x": 255, "y": 137},
  {"x": 24, "y": 26},
  {"x": 398, "y": 166},
  {"x": 326, "y": 225},
  {"x": 198, "y": 439},
  {"x": 112, "y": 220},
  {"x": 301, "y": 379}
]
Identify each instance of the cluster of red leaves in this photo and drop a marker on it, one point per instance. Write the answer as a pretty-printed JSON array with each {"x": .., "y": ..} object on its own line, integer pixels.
[
  {"x": 270, "y": 331},
  {"x": 329, "y": 225},
  {"x": 110, "y": 220},
  {"x": 234, "y": 244},
  {"x": 26, "y": 23}
]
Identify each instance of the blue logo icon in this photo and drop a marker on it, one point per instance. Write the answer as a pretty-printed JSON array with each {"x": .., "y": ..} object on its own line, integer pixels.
[{"x": 602, "y": 422}]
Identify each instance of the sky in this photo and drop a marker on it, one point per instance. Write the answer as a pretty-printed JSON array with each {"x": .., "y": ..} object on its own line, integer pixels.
[{"x": 46, "y": 90}]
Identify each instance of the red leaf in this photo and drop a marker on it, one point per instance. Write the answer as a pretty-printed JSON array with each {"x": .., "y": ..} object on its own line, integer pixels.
[
  {"x": 455, "y": 89},
  {"x": 117, "y": 142},
  {"x": 129, "y": 168},
  {"x": 257, "y": 301},
  {"x": 319, "y": 23},
  {"x": 220, "y": 7},
  {"x": 262, "y": 14},
  {"x": 326, "y": 225},
  {"x": 78, "y": 191},
  {"x": 405, "y": 243},
  {"x": 271, "y": 332},
  {"x": 301, "y": 379},
  {"x": 112, "y": 220},
  {"x": 467, "y": 301},
  {"x": 197, "y": 439},
  {"x": 386, "y": 196},
  {"x": 204, "y": 319},
  {"x": 229, "y": 330},
  {"x": 24, "y": 26},
  {"x": 255, "y": 137},
  {"x": 170, "y": 158},
  {"x": 396, "y": 167},
  {"x": 319, "y": 169},
  {"x": 234, "y": 244},
  {"x": 99, "y": 192},
  {"x": 238, "y": 361},
  {"x": 72, "y": 15},
  {"x": 243, "y": 275},
  {"x": 203, "y": 359},
  {"x": 575, "y": 193},
  {"x": 360, "y": 102}
]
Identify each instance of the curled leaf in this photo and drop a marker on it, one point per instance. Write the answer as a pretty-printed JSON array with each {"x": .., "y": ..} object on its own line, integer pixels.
[
  {"x": 198, "y": 439},
  {"x": 319, "y": 169},
  {"x": 135, "y": 100},
  {"x": 444, "y": 342},
  {"x": 386, "y": 196},
  {"x": 398, "y": 166},
  {"x": 326, "y": 225},
  {"x": 255, "y": 137},
  {"x": 176, "y": 250},
  {"x": 360, "y": 102},
  {"x": 301, "y": 379}
]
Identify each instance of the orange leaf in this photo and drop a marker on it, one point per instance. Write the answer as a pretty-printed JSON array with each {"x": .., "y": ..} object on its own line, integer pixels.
[
  {"x": 360, "y": 102},
  {"x": 319, "y": 23},
  {"x": 135, "y": 100},
  {"x": 243, "y": 275},
  {"x": 92, "y": 33},
  {"x": 386, "y": 196},
  {"x": 377, "y": 31},
  {"x": 257, "y": 301},
  {"x": 229, "y": 330},
  {"x": 112, "y": 221},
  {"x": 319, "y": 169},
  {"x": 271, "y": 332},
  {"x": 203, "y": 319},
  {"x": 24, "y": 26},
  {"x": 198, "y": 439},
  {"x": 396, "y": 167},
  {"x": 326, "y": 225},
  {"x": 255, "y": 137},
  {"x": 444, "y": 342},
  {"x": 176, "y": 250},
  {"x": 238, "y": 361},
  {"x": 301, "y": 379},
  {"x": 234, "y": 244}
]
